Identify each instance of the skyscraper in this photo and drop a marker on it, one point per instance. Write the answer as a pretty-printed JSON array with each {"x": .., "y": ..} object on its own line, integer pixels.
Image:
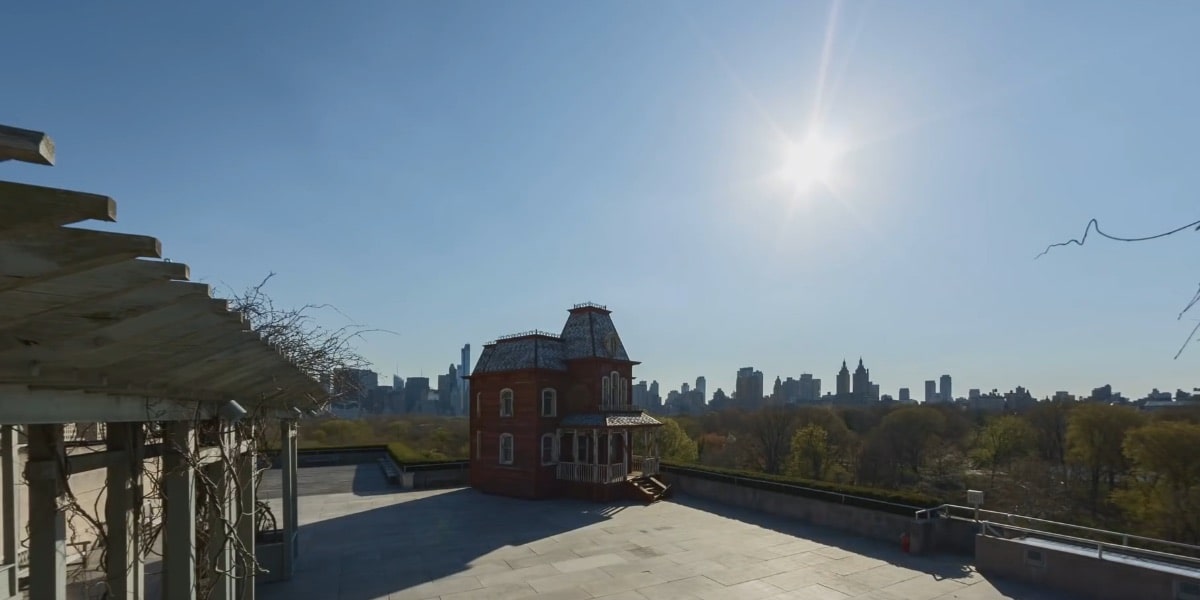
[
  {"x": 946, "y": 394},
  {"x": 904, "y": 395},
  {"x": 464, "y": 385},
  {"x": 749, "y": 388},
  {"x": 930, "y": 390},
  {"x": 843, "y": 381},
  {"x": 701, "y": 386},
  {"x": 862, "y": 381}
]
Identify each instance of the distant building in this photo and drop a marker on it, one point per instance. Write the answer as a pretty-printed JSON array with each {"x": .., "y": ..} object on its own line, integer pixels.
[
  {"x": 1065, "y": 396},
  {"x": 749, "y": 390},
  {"x": 701, "y": 387},
  {"x": 448, "y": 393},
  {"x": 1019, "y": 400},
  {"x": 810, "y": 389},
  {"x": 904, "y": 395},
  {"x": 972, "y": 394},
  {"x": 946, "y": 393},
  {"x": 930, "y": 391},
  {"x": 464, "y": 385},
  {"x": 1103, "y": 394},
  {"x": 416, "y": 394},
  {"x": 843, "y": 380}
]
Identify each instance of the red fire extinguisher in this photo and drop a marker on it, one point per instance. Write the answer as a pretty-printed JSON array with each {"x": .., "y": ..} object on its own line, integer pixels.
[{"x": 904, "y": 542}]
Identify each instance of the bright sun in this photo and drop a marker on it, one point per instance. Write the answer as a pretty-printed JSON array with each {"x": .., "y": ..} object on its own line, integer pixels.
[{"x": 810, "y": 163}]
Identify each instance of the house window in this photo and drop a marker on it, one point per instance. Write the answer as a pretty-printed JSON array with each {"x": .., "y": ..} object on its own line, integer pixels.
[
  {"x": 478, "y": 443},
  {"x": 615, "y": 384},
  {"x": 582, "y": 450},
  {"x": 549, "y": 402},
  {"x": 624, "y": 399},
  {"x": 506, "y": 403},
  {"x": 506, "y": 449},
  {"x": 606, "y": 395},
  {"x": 548, "y": 457}
]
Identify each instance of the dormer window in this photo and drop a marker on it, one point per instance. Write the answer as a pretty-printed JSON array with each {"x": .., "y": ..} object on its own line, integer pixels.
[{"x": 506, "y": 403}]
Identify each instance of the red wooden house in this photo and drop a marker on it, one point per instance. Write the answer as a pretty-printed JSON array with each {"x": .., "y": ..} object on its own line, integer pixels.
[{"x": 552, "y": 415}]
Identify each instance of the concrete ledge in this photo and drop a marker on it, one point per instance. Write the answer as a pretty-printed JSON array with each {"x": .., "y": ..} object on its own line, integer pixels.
[
  {"x": 1076, "y": 570},
  {"x": 868, "y": 523}
]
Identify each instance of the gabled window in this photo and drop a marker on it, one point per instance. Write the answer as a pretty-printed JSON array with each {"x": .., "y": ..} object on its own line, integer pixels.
[
  {"x": 506, "y": 449},
  {"x": 506, "y": 403},
  {"x": 548, "y": 449},
  {"x": 549, "y": 402}
]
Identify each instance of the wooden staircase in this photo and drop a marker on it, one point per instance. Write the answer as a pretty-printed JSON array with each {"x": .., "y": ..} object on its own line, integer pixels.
[{"x": 649, "y": 489}]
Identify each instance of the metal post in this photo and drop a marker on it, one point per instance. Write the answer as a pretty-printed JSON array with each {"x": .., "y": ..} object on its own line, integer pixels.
[
  {"x": 287, "y": 455},
  {"x": 247, "y": 527},
  {"x": 47, "y": 520},
  {"x": 12, "y": 511},
  {"x": 125, "y": 569},
  {"x": 179, "y": 495}
]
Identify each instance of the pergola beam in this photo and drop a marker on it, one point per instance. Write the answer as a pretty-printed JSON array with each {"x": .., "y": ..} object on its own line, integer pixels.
[
  {"x": 26, "y": 145},
  {"x": 21, "y": 406},
  {"x": 46, "y": 255},
  {"x": 24, "y": 206}
]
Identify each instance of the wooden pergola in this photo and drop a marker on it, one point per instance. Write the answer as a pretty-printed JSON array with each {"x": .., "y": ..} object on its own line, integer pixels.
[{"x": 96, "y": 328}]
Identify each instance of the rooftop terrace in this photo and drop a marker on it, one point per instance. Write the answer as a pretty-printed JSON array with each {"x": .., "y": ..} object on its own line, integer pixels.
[{"x": 362, "y": 540}]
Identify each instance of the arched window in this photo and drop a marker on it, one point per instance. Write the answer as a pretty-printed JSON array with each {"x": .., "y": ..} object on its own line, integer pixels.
[
  {"x": 614, "y": 383},
  {"x": 506, "y": 403},
  {"x": 548, "y": 449},
  {"x": 624, "y": 400},
  {"x": 506, "y": 449},
  {"x": 549, "y": 402},
  {"x": 606, "y": 394}
]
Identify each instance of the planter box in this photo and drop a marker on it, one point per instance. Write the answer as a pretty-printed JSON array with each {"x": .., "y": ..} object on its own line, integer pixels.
[{"x": 268, "y": 550}]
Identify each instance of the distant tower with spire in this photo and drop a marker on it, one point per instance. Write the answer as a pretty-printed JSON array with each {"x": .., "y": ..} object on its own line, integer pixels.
[{"x": 843, "y": 380}]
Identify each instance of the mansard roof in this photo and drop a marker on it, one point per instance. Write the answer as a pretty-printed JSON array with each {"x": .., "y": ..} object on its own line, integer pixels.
[
  {"x": 534, "y": 350},
  {"x": 588, "y": 333}
]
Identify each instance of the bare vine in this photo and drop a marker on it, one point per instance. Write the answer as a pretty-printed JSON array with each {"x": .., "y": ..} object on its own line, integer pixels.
[{"x": 1093, "y": 224}]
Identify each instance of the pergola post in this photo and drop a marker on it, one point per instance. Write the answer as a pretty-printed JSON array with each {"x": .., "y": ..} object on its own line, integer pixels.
[
  {"x": 247, "y": 526},
  {"x": 179, "y": 491},
  {"x": 47, "y": 520},
  {"x": 12, "y": 513},
  {"x": 220, "y": 543},
  {"x": 287, "y": 454},
  {"x": 596, "y": 456},
  {"x": 124, "y": 567}
]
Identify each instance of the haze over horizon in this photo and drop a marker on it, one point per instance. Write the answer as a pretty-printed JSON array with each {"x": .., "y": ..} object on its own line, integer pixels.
[{"x": 779, "y": 185}]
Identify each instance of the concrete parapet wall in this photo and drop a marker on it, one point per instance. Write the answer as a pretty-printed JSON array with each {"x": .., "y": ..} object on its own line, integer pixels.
[
  {"x": 1088, "y": 576},
  {"x": 862, "y": 521}
]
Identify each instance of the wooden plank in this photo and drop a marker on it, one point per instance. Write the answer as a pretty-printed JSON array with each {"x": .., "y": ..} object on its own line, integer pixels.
[
  {"x": 29, "y": 258},
  {"x": 24, "y": 206},
  {"x": 91, "y": 289},
  {"x": 26, "y": 145},
  {"x": 64, "y": 335}
]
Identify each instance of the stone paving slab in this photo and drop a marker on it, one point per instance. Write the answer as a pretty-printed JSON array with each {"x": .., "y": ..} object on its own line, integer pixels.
[{"x": 459, "y": 544}]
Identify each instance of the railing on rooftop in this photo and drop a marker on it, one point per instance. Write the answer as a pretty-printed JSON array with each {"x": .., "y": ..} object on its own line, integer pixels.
[
  {"x": 998, "y": 523},
  {"x": 522, "y": 334},
  {"x": 589, "y": 305}
]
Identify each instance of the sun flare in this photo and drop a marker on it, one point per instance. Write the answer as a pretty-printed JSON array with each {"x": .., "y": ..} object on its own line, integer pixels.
[{"x": 810, "y": 163}]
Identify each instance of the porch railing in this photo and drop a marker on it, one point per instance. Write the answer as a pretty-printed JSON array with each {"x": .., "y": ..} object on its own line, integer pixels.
[
  {"x": 648, "y": 465},
  {"x": 586, "y": 473}
]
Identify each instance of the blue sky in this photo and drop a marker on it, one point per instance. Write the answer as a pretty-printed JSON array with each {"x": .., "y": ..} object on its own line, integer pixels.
[{"x": 453, "y": 171}]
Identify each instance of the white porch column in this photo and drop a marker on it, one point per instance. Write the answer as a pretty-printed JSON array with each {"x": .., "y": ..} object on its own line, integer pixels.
[
  {"x": 596, "y": 456},
  {"x": 287, "y": 455},
  {"x": 220, "y": 544},
  {"x": 11, "y": 511},
  {"x": 124, "y": 567},
  {"x": 247, "y": 526},
  {"x": 179, "y": 495},
  {"x": 47, "y": 520}
]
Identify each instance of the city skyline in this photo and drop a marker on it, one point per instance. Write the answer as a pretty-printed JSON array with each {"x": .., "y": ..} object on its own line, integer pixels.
[{"x": 779, "y": 185}]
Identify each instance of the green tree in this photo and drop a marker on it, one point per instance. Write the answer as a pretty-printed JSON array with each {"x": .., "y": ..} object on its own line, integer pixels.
[
  {"x": 1095, "y": 434},
  {"x": 810, "y": 452},
  {"x": 1163, "y": 495},
  {"x": 770, "y": 432},
  {"x": 1002, "y": 440},
  {"x": 674, "y": 444}
]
